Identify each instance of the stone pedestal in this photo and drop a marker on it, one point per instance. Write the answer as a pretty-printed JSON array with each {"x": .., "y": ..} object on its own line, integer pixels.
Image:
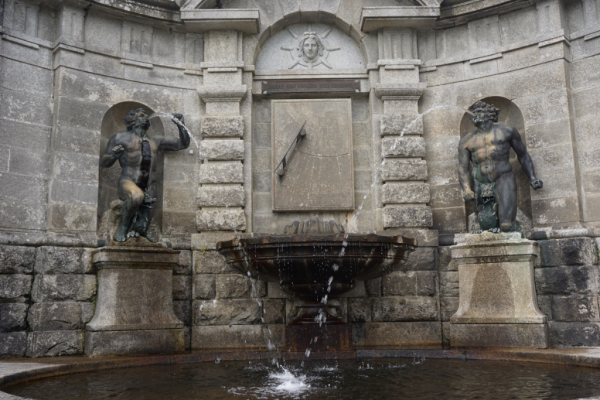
[
  {"x": 498, "y": 304},
  {"x": 134, "y": 312}
]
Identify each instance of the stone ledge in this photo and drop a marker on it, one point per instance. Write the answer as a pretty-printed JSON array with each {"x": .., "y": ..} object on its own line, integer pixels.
[
  {"x": 247, "y": 21},
  {"x": 499, "y": 335},
  {"x": 109, "y": 343},
  {"x": 376, "y": 18}
]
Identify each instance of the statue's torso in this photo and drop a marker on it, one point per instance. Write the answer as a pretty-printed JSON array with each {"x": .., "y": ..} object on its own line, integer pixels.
[
  {"x": 132, "y": 159},
  {"x": 490, "y": 153}
]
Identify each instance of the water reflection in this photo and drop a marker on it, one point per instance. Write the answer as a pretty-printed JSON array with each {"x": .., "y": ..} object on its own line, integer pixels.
[{"x": 343, "y": 379}]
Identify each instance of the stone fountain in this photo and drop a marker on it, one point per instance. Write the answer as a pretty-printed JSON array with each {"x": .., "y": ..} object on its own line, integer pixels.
[{"x": 315, "y": 260}]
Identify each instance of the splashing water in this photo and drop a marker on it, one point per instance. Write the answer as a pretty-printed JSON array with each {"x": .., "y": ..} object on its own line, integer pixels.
[{"x": 167, "y": 115}]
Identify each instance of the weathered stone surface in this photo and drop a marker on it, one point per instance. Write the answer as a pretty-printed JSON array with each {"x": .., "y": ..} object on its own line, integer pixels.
[
  {"x": 493, "y": 290},
  {"x": 401, "y": 124},
  {"x": 222, "y": 150},
  {"x": 445, "y": 261},
  {"x": 56, "y": 317},
  {"x": 567, "y": 279},
  {"x": 48, "y": 288},
  {"x": 54, "y": 343},
  {"x": 448, "y": 307},
  {"x": 574, "y": 334},
  {"x": 572, "y": 251},
  {"x": 226, "y": 312},
  {"x": 16, "y": 259},
  {"x": 211, "y": 262},
  {"x": 545, "y": 305},
  {"x": 412, "y": 283},
  {"x": 183, "y": 311},
  {"x": 421, "y": 259},
  {"x": 405, "y": 192},
  {"x": 373, "y": 287},
  {"x": 400, "y": 334},
  {"x": 182, "y": 287},
  {"x": 221, "y": 196},
  {"x": 131, "y": 298},
  {"x": 184, "y": 265},
  {"x": 393, "y": 309},
  {"x": 13, "y": 345},
  {"x": 320, "y": 176},
  {"x": 237, "y": 336},
  {"x": 223, "y": 126},
  {"x": 403, "y": 146},
  {"x": 222, "y": 172},
  {"x": 62, "y": 260},
  {"x": 425, "y": 237},
  {"x": 211, "y": 219},
  {"x": 407, "y": 216},
  {"x": 404, "y": 170},
  {"x": 575, "y": 308},
  {"x": 449, "y": 284},
  {"x": 239, "y": 286},
  {"x": 273, "y": 311},
  {"x": 13, "y": 317},
  {"x": 110, "y": 343},
  {"x": 359, "y": 310},
  {"x": 499, "y": 335},
  {"x": 15, "y": 287},
  {"x": 208, "y": 240}
]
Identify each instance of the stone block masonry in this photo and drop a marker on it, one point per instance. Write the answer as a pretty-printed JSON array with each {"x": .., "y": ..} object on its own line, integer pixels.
[
  {"x": 567, "y": 282},
  {"x": 48, "y": 294}
]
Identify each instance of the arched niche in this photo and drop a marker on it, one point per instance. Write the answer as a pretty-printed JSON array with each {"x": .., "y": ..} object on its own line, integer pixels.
[
  {"x": 509, "y": 115},
  {"x": 336, "y": 49},
  {"x": 113, "y": 123}
]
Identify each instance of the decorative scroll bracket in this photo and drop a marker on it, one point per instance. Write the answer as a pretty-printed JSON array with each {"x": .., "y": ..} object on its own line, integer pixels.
[{"x": 280, "y": 169}]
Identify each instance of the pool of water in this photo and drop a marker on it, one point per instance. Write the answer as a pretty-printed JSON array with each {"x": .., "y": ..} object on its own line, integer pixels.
[{"x": 348, "y": 379}]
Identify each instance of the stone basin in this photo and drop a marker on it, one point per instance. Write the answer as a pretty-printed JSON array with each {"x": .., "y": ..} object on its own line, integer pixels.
[{"x": 314, "y": 267}]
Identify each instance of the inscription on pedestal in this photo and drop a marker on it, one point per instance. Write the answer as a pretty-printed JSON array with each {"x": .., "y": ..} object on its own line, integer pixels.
[{"x": 319, "y": 173}]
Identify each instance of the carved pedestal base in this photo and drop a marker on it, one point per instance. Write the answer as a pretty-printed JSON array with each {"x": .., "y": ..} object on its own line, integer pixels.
[
  {"x": 134, "y": 312},
  {"x": 498, "y": 303}
]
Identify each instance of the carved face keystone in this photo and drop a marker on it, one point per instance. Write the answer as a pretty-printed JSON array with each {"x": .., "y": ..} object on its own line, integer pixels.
[{"x": 310, "y": 48}]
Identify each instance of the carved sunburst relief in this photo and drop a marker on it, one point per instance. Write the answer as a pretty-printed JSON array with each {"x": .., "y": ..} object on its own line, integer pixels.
[{"x": 311, "y": 49}]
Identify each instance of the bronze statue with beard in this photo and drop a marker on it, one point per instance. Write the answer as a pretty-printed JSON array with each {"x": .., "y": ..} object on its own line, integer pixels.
[
  {"x": 492, "y": 182},
  {"x": 137, "y": 153}
]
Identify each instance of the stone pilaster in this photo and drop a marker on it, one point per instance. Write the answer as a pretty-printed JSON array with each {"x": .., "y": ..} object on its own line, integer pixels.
[
  {"x": 405, "y": 191},
  {"x": 221, "y": 196}
]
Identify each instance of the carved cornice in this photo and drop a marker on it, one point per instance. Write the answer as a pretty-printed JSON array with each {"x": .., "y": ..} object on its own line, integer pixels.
[
  {"x": 376, "y": 18},
  {"x": 247, "y": 21},
  {"x": 395, "y": 90}
]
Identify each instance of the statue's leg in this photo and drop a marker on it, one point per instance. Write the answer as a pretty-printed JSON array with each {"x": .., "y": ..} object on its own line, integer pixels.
[
  {"x": 132, "y": 197},
  {"x": 506, "y": 189},
  {"x": 146, "y": 212}
]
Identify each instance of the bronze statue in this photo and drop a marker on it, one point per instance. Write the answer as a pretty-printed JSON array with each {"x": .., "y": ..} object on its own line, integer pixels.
[
  {"x": 137, "y": 154},
  {"x": 494, "y": 185}
]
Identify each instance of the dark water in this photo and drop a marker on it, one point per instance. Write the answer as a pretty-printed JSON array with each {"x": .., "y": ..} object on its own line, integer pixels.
[{"x": 364, "y": 379}]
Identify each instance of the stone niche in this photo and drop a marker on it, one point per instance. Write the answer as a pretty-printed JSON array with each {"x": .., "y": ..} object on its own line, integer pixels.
[{"x": 319, "y": 172}]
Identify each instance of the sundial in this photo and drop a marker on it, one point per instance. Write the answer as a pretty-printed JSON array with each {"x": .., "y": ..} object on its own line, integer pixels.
[{"x": 312, "y": 164}]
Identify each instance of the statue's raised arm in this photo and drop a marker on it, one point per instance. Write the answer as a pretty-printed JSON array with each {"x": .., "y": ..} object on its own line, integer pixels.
[{"x": 184, "y": 136}]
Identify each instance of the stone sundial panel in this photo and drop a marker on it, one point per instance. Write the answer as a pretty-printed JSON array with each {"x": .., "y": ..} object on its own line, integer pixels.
[
  {"x": 310, "y": 46},
  {"x": 319, "y": 175}
]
